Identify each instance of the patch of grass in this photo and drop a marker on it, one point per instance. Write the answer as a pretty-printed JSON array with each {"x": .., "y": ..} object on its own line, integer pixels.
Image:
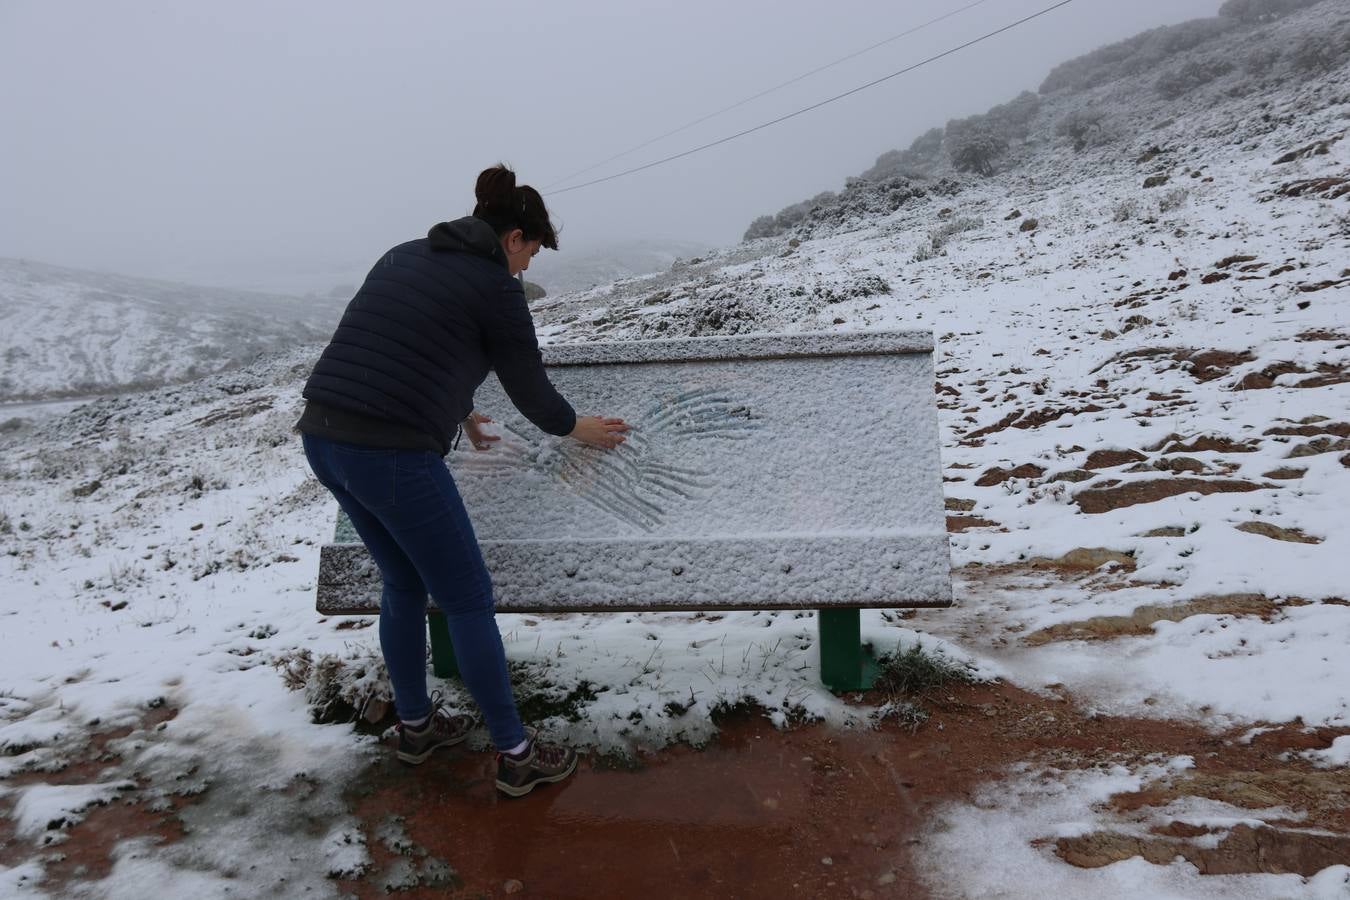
[
  {"x": 914, "y": 672},
  {"x": 727, "y": 710},
  {"x": 538, "y": 698}
]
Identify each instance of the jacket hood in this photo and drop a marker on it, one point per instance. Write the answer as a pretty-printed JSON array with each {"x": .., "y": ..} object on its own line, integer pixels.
[{"x": 467, "y": 235}]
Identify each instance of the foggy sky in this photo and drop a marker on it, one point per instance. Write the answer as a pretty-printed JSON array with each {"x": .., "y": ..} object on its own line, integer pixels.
[{"x": 269, "y": 144}]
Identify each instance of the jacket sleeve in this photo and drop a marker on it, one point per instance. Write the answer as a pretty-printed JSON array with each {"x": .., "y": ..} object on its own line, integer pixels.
[{"x": 513, "y": 351}]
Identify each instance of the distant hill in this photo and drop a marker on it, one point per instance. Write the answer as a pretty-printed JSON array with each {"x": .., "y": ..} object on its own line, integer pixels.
[
  {"x": 576, "y": 269},
  {"x": 69, "y": 332}
]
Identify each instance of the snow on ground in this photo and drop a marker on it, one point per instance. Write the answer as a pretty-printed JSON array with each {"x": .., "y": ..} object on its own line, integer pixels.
[{"x": 161, "y": 548}]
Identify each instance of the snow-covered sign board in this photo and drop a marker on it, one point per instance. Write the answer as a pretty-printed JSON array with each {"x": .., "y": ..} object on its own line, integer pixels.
[{"x": 762, "y": 472}]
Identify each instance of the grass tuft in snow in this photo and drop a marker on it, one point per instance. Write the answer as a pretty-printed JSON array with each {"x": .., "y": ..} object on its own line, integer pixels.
[{"x": 916, "y": 672}]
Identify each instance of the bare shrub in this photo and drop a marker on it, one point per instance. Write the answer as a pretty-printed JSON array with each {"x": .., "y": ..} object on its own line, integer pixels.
[
  {"x": 1083, "y": 127},
  {"x": 1173, "y": 199}
]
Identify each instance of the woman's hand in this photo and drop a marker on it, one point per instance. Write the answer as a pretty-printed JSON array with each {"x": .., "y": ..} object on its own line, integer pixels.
[
  {"x": 600, "y": 432},
  {"x": 480, "y": 439}
]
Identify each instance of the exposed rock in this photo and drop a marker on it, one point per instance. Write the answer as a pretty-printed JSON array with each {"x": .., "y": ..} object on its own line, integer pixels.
[
  {"x": 85, "y": 490},
  {"x": 1207, "y": 443},
  {"x": 959, "y": 524},
  {"x": 1029, "y": 225},
  {"x": 1322, "y": 334},
  {"x": 1267, "y": 529},
  {"x": 1141, "y": 620},
  {"x": 1180, "y": 464},
  {"x": 1165, "y": 531},
  {"x": 1265, "y": 378},
  {"x": 1107, "y": 459},
  {"x": 1100, "y": 500},
  {"x": 1243, "y": 850},
  {"x": 1073, "y": 475},
  {"x": 1284, "y": 473},
  {"x": 997, "y": 475},
  {"x": 1232, "y": 260},
  {"x": 1328, "y": 188},
  {"x": 1316, "y": 148},
  {"x": 1339, "y": 429},
  {"x": 1212, "y": 277},
  {"x": 1085, "y": 559},
  {"x": 958, "y": 504},
  {"x": 1153, "y": 181},
  {"x": 1206, "y": 365},
  {"x": 1319, "y": 445}
]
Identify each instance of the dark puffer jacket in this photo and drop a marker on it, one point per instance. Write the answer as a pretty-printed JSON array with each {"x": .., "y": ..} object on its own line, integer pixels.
[{"x": 432, "y": 318}]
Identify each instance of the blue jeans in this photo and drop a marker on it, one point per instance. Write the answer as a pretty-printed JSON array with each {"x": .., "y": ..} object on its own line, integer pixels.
[{"x": 406, "y": 508}]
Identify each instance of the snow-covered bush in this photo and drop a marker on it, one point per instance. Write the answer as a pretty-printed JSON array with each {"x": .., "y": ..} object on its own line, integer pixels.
[
  {"x": 1261, "y": 10},
  {"x": 1173, "y": 199},
  {"x": 337, "y": 688},
  {"x": 1132, "y": 56},
  {"x": 1316, "y": 54},
  {"x": 1180, "y": 82},
  {"x": 1083, "y": 127}
]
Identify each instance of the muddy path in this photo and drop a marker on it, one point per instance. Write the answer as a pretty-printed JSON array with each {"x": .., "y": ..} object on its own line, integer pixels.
[{"x": 810, "y": 811}]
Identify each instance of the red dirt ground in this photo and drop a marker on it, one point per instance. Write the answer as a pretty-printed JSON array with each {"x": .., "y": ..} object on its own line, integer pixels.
[{"x": 811, "y": 811}]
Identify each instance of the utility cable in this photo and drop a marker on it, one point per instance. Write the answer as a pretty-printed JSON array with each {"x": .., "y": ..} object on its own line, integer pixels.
[
  {"x": 814, "y": 106},
  {"x": 763, "y": 93}
]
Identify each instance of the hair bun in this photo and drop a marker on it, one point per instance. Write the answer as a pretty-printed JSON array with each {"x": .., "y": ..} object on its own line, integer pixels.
[{"x": 495, "y": 188}]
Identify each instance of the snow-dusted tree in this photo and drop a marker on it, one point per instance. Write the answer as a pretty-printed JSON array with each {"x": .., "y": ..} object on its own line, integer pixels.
[
  {"x": 976, "y": 150},
  {"x": 1261, "y": 10},
  {"x": 760, "y": 228},
  {"x": 1179, "y": 82}
]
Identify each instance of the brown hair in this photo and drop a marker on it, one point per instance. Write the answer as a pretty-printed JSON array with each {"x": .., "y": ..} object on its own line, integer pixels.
[{"x": 505, "y": 207}]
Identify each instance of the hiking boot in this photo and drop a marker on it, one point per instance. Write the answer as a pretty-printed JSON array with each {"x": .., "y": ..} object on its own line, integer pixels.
[
  {"x": 538, "y": 763},
  {"x": 442, "y": 729}
]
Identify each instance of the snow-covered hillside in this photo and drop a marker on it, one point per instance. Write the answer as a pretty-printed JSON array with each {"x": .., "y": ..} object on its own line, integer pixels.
[
  {"x": 1145, "y": 405},
  {"x": 70, "y": 333},
  {"x": 580, "y": 268}
]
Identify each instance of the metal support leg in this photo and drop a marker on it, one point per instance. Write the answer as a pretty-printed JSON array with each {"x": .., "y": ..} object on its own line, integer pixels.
[
  {"x": 442, "y": 651},
  {"x": 845, "y": 665}
]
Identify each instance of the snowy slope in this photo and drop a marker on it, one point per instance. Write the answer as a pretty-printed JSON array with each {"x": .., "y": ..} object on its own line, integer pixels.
[
  {"x": 68, "y": 332},
  {"x": 1145, "y": 410}
]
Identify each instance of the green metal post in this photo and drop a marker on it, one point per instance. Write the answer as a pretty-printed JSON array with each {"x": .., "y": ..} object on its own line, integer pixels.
[
  {"x": 442, "y": 651},
  {"x": 845, "y": 665}
]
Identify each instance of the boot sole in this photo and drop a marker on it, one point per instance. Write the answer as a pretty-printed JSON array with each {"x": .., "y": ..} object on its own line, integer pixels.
[{"x": 513, "y": 791}]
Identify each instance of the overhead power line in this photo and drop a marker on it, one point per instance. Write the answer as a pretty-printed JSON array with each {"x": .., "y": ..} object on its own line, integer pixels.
[
  {"x": 764, "y": 93},
  {"x": 813, "y": 106}
]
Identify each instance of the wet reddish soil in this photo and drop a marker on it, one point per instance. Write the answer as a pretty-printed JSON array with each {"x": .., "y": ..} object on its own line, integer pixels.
[{"x": 812, "y": 811}]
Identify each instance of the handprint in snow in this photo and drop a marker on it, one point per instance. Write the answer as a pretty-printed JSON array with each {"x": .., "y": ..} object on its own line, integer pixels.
[{"x": 639, "y": 480}]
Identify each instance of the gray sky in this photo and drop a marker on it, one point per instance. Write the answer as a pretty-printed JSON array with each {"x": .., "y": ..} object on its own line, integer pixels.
[{"x": 286, "y": 144}]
